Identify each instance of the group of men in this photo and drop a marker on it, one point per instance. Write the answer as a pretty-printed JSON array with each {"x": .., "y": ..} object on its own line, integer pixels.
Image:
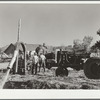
[{"x": 38, "y": 58}]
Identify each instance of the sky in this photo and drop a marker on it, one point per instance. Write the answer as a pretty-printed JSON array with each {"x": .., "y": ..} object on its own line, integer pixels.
[{"x": 53, "y": 24}]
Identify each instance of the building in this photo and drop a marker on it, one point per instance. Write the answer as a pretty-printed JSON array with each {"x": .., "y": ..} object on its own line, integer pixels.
[
  {"x": 7, "y": 51},
  {"x": 31, "y": 47}
]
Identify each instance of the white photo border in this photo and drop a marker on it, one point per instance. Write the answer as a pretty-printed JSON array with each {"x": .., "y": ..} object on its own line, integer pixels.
[{"x": 49, "y": 94}]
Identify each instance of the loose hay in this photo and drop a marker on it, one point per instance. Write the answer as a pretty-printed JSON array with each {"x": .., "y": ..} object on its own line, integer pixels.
[{"x": 47, "y": 80}]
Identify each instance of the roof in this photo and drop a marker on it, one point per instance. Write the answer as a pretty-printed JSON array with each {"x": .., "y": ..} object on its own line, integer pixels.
[
  {"x": 5, "y": 47},
  {"x": 31, "y": 47}
]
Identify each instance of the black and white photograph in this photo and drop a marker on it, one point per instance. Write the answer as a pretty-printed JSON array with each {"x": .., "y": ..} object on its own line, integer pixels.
[{"x": 49, "y": 46}]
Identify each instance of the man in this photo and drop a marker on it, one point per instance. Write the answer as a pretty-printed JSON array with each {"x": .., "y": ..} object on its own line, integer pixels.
[
  {"x": 35, "y": 60},
  {"x": 38, "y": 49},
  {"x": 44, "y": 47},
  {"x": 41, "y": 49},
  {"x": 42, "y": 57},
  {"x": 42, "y": 62},
  {"x": 27, "y": 55}
]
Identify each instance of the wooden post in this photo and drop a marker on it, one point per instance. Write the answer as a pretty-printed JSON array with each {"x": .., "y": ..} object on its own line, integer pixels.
[
  {"x": 17, "y": 47},
  {"x": 17, "y": 63},
  {"x": 24, "y": 57},
  {"x": 19, "y": 29}
]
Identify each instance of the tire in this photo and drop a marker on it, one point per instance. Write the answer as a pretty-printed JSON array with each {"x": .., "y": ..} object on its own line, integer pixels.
[
  {"x": 61, "y": 71},
  {"x": 92, "y": 68}
]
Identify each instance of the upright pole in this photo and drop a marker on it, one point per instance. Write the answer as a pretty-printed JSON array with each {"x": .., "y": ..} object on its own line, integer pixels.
[
  {"x": 18, "y": 37},
  {"x": 19, "y": 29}
]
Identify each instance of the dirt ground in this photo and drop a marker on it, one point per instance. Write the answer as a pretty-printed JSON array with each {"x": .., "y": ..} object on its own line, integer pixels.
[{"x": 48, "y": 80}]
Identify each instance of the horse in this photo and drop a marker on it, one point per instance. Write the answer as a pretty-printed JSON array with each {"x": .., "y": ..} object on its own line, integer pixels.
[{"x": 41, "y": 62}]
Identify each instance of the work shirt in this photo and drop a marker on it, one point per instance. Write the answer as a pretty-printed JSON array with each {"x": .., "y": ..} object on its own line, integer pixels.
[
  {"x": 40, "y": 51},
  {"x": 44, "y": 50},
  {"x": 32, "y": 53},
  {"x": 35, "y": 59},
  {"x": 42, "y": 57}
]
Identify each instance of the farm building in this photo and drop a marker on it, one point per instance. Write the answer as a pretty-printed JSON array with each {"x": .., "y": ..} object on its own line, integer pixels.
[
  {"x": 7, "y": 51},
  {"x": 10, "y": 50},
  {"x": 31, "y": 47}
]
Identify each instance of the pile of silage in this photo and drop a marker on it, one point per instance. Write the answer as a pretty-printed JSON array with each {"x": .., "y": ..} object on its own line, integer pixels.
[
  {"x": 48, "y": 80},
  {"x": 37, "y": 84}
]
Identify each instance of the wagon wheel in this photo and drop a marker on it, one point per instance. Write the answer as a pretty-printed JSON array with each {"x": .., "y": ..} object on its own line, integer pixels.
[
  {"x": 92, "y": 68},
  {"x": 61, "y": 71}
]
